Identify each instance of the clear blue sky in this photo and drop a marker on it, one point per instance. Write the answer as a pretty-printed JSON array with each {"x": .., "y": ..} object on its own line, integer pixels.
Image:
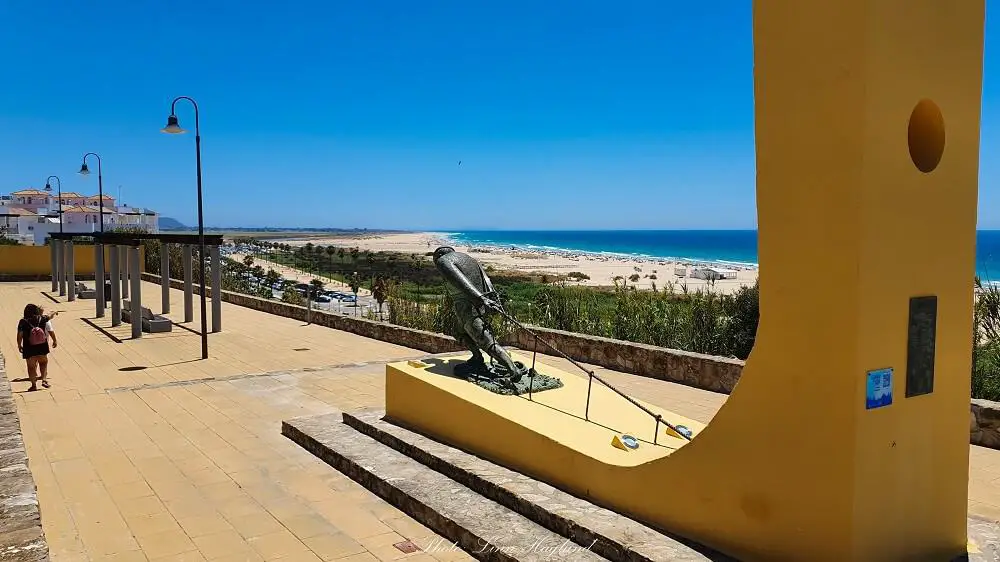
[{"x": 565, "y": 114}]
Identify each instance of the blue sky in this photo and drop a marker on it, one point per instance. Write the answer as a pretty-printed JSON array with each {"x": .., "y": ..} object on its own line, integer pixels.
[{"x": 582, "y": 114}]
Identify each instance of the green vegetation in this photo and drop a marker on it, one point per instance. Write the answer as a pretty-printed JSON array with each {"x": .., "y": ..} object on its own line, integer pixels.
[{"x": 986, "y": 346}]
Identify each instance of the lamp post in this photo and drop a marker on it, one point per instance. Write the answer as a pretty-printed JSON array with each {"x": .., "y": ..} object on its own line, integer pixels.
[
  {"x": 48, "y": 187},
  {"x": 85, "y": 171},
  {"x": 174, "y": 128}
]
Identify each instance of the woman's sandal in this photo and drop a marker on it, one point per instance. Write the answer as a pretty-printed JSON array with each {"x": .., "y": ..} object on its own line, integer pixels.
[{"x": 46, "y": 384}]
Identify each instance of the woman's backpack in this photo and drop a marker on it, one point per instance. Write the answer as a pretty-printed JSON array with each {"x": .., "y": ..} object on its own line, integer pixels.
[{"x": 37, "y": 335}]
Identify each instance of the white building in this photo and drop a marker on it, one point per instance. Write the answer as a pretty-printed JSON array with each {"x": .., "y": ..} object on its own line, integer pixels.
[
  {"x": 713, "y": 273},
  {"x": 29, "y": 215},
  {"x": 20, "y": 224},
  {"x": 145, "y": 219}
]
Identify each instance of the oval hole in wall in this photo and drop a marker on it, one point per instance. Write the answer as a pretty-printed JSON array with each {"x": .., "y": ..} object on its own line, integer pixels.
[{"x": 925, "y": 136}]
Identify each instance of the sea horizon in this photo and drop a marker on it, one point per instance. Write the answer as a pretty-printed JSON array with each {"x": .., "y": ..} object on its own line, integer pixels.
[{"x": 737, "y": 247}]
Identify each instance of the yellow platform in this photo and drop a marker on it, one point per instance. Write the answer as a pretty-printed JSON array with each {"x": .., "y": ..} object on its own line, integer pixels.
[{"x": 552, "y": 423}]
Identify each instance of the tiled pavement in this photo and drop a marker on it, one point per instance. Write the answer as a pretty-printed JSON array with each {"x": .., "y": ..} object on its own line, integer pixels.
[{"x": 155, "y": 464}]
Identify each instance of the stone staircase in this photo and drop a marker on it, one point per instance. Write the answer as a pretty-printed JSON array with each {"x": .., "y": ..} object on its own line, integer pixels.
[{"x": 493, "y": 513}]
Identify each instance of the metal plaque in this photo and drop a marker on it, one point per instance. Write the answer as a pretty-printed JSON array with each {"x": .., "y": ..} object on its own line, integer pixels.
[{"x": 920, "y": 346}]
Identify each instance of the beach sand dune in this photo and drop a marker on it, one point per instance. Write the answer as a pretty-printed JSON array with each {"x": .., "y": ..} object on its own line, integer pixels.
[{"x": 601, "y": 268}]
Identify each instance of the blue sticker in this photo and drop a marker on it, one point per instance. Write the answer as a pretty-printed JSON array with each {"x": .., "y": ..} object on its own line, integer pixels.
[{"x": 878, "y": 391}]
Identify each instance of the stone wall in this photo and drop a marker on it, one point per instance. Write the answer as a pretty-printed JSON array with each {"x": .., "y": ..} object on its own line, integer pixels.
[
  {"x": 984, "y": 424},
  {"x": 707, "y": 372},
  {"x": 21, "y": 536}
]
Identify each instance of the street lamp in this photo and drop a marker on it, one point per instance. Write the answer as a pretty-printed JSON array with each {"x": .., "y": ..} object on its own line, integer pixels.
[
  {"x": 48, "y": 187},
  {"x": 174, "y": 128},
  {"x": 85, "y": 171}
]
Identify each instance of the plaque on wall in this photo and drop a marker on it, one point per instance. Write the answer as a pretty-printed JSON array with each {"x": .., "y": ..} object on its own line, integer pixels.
[
  {"x": 920, "y": 345},
  {"x": 878, "y": 389}
]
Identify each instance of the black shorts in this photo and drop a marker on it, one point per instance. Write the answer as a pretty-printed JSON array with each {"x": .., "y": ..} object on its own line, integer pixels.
[{"x": 40, "y": 350}]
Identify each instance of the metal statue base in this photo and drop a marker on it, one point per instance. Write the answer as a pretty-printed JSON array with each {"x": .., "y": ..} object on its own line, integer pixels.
[{"x": 498, "y": 380}]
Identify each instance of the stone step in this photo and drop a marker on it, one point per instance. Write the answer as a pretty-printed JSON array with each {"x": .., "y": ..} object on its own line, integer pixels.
[
  {"x": 607, "y": 533},
  {"x": 483, "y": 528}
]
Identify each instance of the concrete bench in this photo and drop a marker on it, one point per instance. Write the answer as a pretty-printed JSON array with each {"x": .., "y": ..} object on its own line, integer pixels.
[
  {"x": 83, "y": 292},
  {"x": 152, "y": 323}
]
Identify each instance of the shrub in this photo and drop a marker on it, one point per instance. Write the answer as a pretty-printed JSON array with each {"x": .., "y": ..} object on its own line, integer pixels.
[
  {"x": 291, "y": 296},
  {"x": 634, "y": 277},
  {"x": 577, "y": 276}
]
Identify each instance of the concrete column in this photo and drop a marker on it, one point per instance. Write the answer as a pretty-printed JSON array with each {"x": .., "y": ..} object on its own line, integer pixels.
[
  {"x": 136, "y": 301},
  {"x": 53, "y": 266},
  {"x": 216, "y": 266},
  {"x": 71, "y": 271},
  {"x": 124, "y": 269},
  {"x": 165, "y": 277},
  {"x": 61, "y": 266},
  {"x": 188, "y": 285},
  {"x": 99, "y": 277},
  {"x": 116, "y": 288}
]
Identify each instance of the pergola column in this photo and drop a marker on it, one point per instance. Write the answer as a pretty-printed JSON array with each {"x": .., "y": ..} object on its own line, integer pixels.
[
  {"x": 99, "y": 277},
  {"x": 188, "y": 285},
  {"x": 116, "y": 288},
  {"x": 54, "y": 263},
  {"x": 125, "y": 269},
  {"x": 165, "y": 277},
  {"x": 136, "y": 299},
  {"x": 71, "y": 270},
  {"x": 216, "y": 265},
  {"x": 61, "y": 266}
]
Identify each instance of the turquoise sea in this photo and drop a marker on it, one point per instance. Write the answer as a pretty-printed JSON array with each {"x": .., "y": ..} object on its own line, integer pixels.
[{"x": 738, "y": 247}]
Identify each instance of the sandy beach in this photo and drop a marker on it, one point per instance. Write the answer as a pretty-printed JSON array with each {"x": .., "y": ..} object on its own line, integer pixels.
[{"x": 601, "y": 268}]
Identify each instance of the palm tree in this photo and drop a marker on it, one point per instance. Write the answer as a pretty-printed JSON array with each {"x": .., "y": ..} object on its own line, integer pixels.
[
  {"x": 330, "y": 252},
  {"x": 317, "y": 287},
  {"x": 248, "y": 262},
  {"x": 380, "y": 291},
  {"x": 272, "y": 278},
  {"x": 355, "y": 282}
]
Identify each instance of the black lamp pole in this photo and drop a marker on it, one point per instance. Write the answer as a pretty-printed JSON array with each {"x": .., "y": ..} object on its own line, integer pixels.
[
  {"x": 48, "y": 187},
  {"x": 100, "y": 184},
  {"x": 174, "y": 128}
]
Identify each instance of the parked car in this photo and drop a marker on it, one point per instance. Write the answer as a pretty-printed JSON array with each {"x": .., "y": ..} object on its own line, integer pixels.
[{"x": 322, "y": 299}]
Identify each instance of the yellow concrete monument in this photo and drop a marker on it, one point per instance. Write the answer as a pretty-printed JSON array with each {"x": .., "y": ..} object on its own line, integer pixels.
[{"x": 847, "y": 435}]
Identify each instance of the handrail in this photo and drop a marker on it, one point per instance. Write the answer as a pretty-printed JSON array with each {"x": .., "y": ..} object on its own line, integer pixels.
[{"x": 591, "y": 377}]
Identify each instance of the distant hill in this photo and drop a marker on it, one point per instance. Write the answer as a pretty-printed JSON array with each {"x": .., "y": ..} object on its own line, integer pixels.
[{"x": 167, "y": 223}]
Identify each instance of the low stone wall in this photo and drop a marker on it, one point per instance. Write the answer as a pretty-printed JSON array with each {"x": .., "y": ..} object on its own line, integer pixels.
[
  {"x": 707, "y": 372},
  {"x": 21, "y": 536},
  {"x": 984, "y": 423}
]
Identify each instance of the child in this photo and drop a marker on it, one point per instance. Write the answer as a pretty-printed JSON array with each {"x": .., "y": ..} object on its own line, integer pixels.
[{"x": 33, "y": 333}]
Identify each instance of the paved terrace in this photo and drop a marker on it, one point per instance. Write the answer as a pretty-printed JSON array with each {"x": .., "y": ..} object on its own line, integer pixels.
[{"x": 142, "y": 452}]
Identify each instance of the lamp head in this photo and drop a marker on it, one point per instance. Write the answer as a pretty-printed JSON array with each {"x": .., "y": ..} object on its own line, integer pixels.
[
  {"x": 84, "y": 170},
  {"x": 172, "y": 127},
  {"x": 48, "y": 186}
]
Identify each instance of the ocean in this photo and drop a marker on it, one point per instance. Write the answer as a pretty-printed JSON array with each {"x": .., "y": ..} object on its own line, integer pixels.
[{"x": 737, "y": 247}]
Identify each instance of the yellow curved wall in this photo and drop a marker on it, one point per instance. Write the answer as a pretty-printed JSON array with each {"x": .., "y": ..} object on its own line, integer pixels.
[{"x": 860, "y": 208}]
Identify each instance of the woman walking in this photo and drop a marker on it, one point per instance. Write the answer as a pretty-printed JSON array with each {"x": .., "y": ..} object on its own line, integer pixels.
[{"x": 33, "y": 333}]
